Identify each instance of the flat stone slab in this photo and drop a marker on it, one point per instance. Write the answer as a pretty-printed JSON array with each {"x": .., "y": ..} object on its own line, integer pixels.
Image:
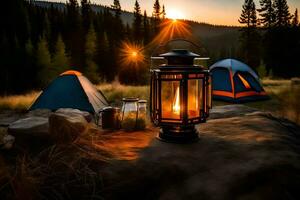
[
  {"x": 230, "y": 111},
  {"x": 7, "y": 117},
  {"x": 239, "y": 156}
]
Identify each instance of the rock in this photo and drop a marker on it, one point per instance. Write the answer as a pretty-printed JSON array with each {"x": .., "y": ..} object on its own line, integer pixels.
[
  {"x": 31, "y": 126},
  {"x": 219, "y": 112},
  {"x": 8, "y": 142},
  {"x": 39, "y": 113},
  {"x": 65, "y": 126},
  {"x": 8, "y": 117},
  {"x": 71, "y": 111},
  {"x": 237, "y": 157}
]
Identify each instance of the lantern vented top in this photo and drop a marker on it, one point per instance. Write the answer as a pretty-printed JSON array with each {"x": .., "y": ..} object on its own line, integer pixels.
[{"x": 180, "y": 57}]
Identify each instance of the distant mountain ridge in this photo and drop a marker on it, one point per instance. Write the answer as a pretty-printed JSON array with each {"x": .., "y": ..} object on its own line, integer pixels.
[
  {"x": 126, "y": 16},
  {"x": 203, "y": 30}
]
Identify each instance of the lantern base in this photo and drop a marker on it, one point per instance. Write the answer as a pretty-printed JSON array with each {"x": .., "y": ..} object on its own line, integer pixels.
[{"x": 176, "y": 134}]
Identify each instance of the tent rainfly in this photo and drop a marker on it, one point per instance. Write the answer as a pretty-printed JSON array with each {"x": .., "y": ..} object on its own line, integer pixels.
[
  {"x": 71, "y": 90},
  {"x": 235, "y": 82}
]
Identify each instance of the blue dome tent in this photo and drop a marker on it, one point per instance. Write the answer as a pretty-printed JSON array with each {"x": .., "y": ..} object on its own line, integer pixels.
[
  {"x": 235, "y": 82},
  {"x": 71, "y": 90}
]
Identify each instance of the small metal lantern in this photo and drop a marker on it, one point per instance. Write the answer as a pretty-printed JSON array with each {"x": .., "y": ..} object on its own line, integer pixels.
[
  {"x": 129, "y": 113},
  {"x": 180, "y": 96}
]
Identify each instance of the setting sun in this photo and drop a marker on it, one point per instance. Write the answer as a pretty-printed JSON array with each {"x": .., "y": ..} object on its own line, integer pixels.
[
  {"x": 134, "y": 53},
  {"x": 174, "y": 14}
]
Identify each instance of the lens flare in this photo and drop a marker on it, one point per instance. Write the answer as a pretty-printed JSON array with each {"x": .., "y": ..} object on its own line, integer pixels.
[
  {"x": 171, "y": 29},
  {"x": 174, "y": 15},
  {"x": 132, "y": 54}
]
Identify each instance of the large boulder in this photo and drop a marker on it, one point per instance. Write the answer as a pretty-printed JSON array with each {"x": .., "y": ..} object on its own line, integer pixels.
[
  {"x": 39, "y": 113},
  {"x": 9, "y": 116},
  {"x": 240, "y": 155},
  {"x": 66, "y": 126},
  {"x": 30, "y": 126},
  {"x": 70, "y": 111}
]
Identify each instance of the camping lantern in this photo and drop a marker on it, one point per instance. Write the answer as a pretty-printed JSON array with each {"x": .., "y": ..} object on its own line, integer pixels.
[{"x": 180, "y": 96}]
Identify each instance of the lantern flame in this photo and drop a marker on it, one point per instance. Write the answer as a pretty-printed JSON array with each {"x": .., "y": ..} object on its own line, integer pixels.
[{"x": 176, "y": 102}]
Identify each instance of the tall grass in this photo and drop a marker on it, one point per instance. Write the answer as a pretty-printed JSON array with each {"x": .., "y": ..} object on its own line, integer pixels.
[
  {"x": 17, "y": 102},
  {"x": 51, "y": 171},
  {"x": 115, "y": 92}
]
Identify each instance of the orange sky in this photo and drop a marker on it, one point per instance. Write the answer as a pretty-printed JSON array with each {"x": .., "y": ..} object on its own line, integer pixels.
[{"x": 225, "y": 12}]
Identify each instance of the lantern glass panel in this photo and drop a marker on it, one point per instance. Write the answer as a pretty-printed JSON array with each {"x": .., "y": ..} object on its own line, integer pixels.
[
  {"x": 170, "y": 99},
  {"x": 194, "y": 97},
  {"x": 209, "y": 94}
]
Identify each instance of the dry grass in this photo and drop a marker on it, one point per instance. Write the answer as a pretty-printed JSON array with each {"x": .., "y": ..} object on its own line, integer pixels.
[
  {"x": 17, "y": 102},
  {"x": 51, "y": 171},
  {"x": 115, "y": 91},
  {"x": 284, "y": 97},
  {"x": 274, "y": 87}
]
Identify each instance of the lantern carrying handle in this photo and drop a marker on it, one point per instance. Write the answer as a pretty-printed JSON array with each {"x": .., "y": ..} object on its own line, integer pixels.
[{"x": 169, "y": 41}]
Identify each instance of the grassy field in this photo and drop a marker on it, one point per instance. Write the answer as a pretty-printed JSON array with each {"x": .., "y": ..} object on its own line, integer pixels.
[{"x": 283, "y": 103}]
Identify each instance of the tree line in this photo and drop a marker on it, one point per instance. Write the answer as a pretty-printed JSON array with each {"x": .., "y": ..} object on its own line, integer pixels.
[
  {"x": 270, "y": 38},
  {"x": 38, "y": 43}
]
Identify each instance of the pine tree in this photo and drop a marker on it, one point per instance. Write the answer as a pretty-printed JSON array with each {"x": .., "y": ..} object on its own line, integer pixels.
[
  {"x": 282, "y": 13},
  {"x": 156, "y": 10},
  {"x": 128, "y": 32},
  {"x": 43, "y": 60},
  {"x": 163, "y": 13},
  {"x": 295, "y": 21},
  {"x": 103, "y": 57},
  {"x": 73, "y": 14},
  {"x": 248, "y": 15},
  {"x": 117, "y": 8},
  {"x": 90, "y": 53},
  {"x": 146, "y": 28},
  {"x": 86, "y": 13},
  {"x": 156, "y": 16},
  {"x": 250, "y": 38},
  {"x": 118, "y": 32},
  {"x": 29, "y": 48},
  {"x": 137, "y": 23},
  {"x": 60, "y": 61},
  {"x": 73, "y": 33},
  {"x": 266, "y": 13}
]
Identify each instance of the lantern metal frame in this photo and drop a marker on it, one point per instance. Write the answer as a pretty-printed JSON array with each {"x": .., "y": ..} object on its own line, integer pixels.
[{"x": 180, "y": 130}]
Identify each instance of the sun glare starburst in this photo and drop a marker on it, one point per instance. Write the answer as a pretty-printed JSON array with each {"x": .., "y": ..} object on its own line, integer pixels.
[
  {"x": 131, "y": 54},
  {"x": 172, "y": 28},
  {"x": 174, "y": 15}
]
